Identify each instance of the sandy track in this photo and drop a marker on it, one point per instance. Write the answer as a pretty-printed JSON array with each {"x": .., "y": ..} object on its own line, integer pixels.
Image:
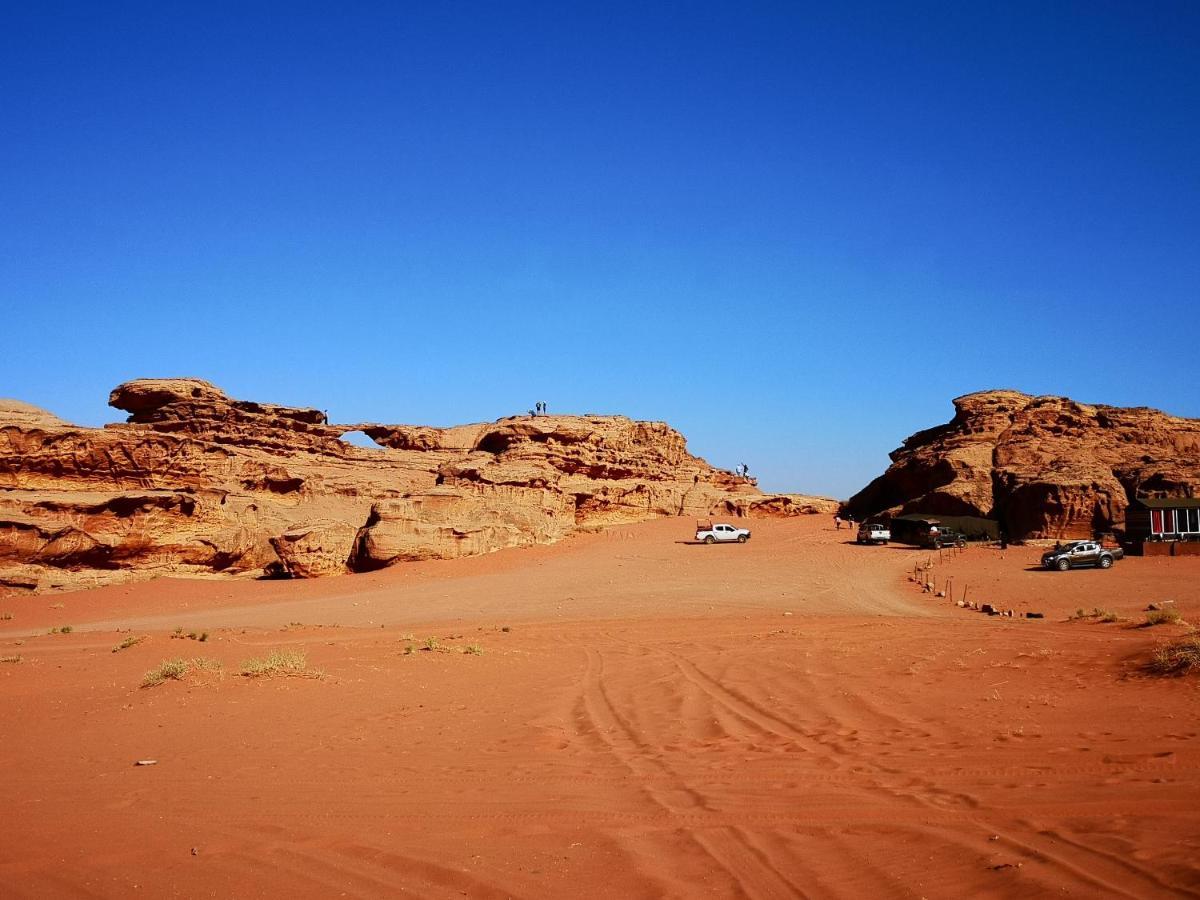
[{"x": 665, "y": 750}]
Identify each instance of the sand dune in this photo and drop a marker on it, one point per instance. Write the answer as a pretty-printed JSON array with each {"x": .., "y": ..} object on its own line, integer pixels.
[{"x": 647, "y": 718}]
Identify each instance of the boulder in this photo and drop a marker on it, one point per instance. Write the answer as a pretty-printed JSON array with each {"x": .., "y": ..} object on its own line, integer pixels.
[{"x": 315, "y": 549}]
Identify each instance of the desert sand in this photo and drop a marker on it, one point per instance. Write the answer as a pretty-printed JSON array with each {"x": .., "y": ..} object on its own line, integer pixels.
[{"x": 644, "y": 717}]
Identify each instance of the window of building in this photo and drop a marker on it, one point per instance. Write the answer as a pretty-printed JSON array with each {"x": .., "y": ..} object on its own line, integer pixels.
[{"x": 1162, "y": 521}]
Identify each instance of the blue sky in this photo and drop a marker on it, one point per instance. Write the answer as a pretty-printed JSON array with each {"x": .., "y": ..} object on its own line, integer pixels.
[{"x": 793, "y": 231}]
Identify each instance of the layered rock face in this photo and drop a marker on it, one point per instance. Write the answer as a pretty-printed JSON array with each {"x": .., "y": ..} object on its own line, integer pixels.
[
  {"x": 1042, "y": 466},
  {"x": 196, "y": 482}
]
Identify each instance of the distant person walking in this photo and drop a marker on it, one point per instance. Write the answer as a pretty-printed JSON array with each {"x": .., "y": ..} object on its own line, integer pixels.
[{"x": 837, "y": 522}]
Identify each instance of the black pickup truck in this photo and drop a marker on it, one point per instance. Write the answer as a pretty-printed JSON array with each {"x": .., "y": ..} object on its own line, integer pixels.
[
  {"x": 1081, "y": 553},
  {"x": 938, "y": 537}
]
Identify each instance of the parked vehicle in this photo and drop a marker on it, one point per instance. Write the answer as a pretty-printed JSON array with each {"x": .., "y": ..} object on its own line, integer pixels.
[
  {"x": 1077, "y": 554},
  {"x": 938, "y": 537},
  {"x": 710, "y": 533},
  {"x": 873, "y": 533}
]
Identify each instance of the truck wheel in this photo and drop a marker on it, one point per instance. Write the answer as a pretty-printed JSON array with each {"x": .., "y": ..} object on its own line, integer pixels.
[
  {"x": 1062, "y": 565},
  {"x": 1106, "y": 562},
  {"x": 741, "y": 539},
  {"x": 710, "y": 540}
]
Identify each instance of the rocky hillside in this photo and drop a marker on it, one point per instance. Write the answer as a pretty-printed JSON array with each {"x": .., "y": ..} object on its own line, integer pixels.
[
  {"x": 197, "y": 483},
  {"x": 1042, "y": 466}
]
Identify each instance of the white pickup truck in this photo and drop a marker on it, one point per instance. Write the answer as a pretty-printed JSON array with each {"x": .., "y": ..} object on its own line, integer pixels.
[
  {"x": 873, "y": 533},
  {"x": 710, "y": 533}
]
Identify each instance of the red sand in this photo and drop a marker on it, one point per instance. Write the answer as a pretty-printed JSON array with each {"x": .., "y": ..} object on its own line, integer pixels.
[{"x": 652, "y": 724}]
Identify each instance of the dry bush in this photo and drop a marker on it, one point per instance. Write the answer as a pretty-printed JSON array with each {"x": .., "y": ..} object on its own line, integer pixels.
[
  {"x": 1162, "y": 617},
  {"x": 1101, "y": 615},
  {"x": 1177, "y": 658},
  {"x": 129, "y": 642},
  {"x": 176, "y": 669},
  {"x": 167, "y": 670},
  {"x": 280, "y": 662}
]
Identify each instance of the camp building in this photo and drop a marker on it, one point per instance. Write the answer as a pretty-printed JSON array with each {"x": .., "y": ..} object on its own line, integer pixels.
[{"x": 1155, "y": 525}]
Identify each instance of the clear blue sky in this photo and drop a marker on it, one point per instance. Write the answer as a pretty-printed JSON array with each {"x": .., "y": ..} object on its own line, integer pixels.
[{"x": 793, "y": 231}]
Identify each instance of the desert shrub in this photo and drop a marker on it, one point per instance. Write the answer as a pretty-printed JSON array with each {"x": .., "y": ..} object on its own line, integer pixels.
[
  {"x": 5, "y": 616},
  {"x": 167, "y": 670},
  {"x": 129, "y": 642},
  {"x": 432, "y": 643},
  {"x": 176, "y": 669},
  {"x": 1161, "y": 617},
  {"x": 474, "y": 650},
  {"x": 1102, "y": 615},
  {"x": 11, "y": 659},
  {"x": 1177, "y": 658},
  {"x": 279, "y": 662}
]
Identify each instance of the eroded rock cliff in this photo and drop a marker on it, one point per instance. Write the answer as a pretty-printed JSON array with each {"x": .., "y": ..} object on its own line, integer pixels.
[
  {"x": 1042, "y": 466},
  {"x": 196, "y": 482}
]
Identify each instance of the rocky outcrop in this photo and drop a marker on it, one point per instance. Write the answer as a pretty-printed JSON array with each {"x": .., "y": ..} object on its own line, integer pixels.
[
  {"x": 315, "y": 549},
  {"x": 1041, "y": 466},
  {"x": 197, "y": 483}
]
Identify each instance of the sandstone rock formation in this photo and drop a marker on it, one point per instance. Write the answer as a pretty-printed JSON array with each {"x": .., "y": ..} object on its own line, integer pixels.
[
  {"x": 197, "y": 483},
  {"x": 1042, "y": 466}
]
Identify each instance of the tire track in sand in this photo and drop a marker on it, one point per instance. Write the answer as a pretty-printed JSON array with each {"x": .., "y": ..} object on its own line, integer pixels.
[{"x": 744, "y": 864}]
